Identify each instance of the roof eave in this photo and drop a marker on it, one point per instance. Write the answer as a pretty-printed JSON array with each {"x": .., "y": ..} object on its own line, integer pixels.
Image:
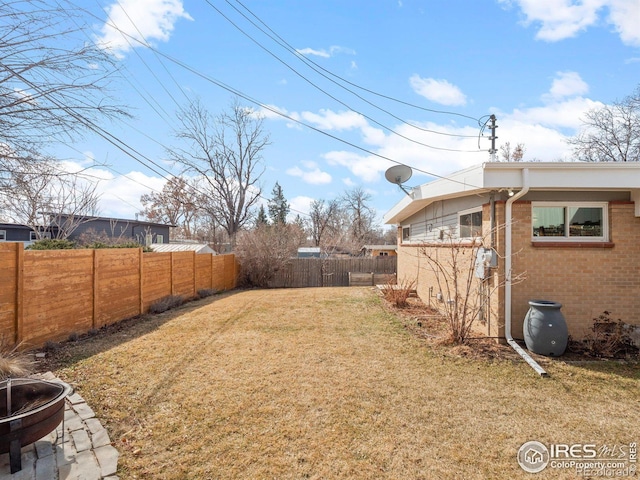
[{"x": 508, "y": 175}]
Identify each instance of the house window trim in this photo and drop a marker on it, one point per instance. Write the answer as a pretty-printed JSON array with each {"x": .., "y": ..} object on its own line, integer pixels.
[
  {"x": 566, "y": 238},
  {"x": 467, "y": 212},
  {"x": 3, "y": 235},
  {"x": 408, "y": 237}
]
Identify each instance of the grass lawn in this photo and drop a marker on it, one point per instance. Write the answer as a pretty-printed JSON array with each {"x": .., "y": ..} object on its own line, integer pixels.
[{"x": 327, "y": 383}]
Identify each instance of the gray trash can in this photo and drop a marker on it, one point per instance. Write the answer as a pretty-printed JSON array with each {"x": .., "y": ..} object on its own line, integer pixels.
[{"x": 545, "y": 329}]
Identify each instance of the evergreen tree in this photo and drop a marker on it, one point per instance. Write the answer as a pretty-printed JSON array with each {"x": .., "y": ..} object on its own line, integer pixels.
[
  {"x": 278, "y": 206},
  {"x": 262, "y": 217}
]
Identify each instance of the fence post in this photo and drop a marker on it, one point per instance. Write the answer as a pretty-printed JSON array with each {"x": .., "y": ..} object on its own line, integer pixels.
[
  {"x": 195, "y": 276},
  {"x": 18, "y": 319},
  {"x": 141, "y": 277},
  {"x": 173, "y": 283},
  {"x": 94, "y": 312}
]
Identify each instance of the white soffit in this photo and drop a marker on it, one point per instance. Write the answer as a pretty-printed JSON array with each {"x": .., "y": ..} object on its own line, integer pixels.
[{"x": 508, "y": 175}]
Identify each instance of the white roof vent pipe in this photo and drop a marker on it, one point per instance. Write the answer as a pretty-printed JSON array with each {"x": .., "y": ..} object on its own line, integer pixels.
[{"x": 508, "y": 266}]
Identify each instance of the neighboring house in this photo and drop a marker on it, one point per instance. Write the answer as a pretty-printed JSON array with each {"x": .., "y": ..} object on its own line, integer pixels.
[
  {"x": 309, "y": 252},
  {"x": 145, "y": 233},
  {"x": 182, "y": 247},
  {"x": 379, "y": 250},
  {"x": 567, "y": 232},
  {"x": 12, "y": 232}
]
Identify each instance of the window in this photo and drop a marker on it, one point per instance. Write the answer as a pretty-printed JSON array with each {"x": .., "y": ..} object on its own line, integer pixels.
[
  {"x": 3, "y": 235},
  {"x": 159, "y": 238},
  {"x": 406, "y": 233},
  {"x": 33, "y": 236},
  {"x": 470, "y": 223},
  {"x": 383, "y": 254},
  {"x": 570, "y": 221}
]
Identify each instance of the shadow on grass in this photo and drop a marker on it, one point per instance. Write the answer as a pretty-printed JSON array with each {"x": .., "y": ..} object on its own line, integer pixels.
[
  {"x": 624, "y": 368},
  {"x": 65, "y": 354}
]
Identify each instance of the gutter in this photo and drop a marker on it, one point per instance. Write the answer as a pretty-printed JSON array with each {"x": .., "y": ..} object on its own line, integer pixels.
[{"x": 507, "y": 267}]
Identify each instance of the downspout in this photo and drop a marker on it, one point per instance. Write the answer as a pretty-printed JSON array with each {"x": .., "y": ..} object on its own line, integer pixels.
[{"x": 507, "y": 267}]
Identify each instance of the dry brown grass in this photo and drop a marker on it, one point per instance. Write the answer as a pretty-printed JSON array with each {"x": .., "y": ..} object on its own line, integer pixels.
[
  {"x": 13, "y": 361},
  {"x": 326, "y": 383}
]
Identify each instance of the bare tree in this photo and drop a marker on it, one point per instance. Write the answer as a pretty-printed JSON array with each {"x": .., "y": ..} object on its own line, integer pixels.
[
  {"x": 226, "y": 152},
  {"x": 512, "y": 155},
  {"x": 38, "y": 194},
  {"x": 323, "y": 220},
  {"x": 464, "y": 287},
  {"x": 53, "y": 81},
  {"x": 356, "y": 204},
  {"x": 611, "y": 133},
  {"x": 176, "y": 205}
]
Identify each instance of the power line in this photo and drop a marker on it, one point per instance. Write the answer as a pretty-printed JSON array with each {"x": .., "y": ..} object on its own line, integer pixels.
[
  {"x": 335, "y": 98},
  {"x": 121, "y": 145},
  {"x": 316, "y": 67}
]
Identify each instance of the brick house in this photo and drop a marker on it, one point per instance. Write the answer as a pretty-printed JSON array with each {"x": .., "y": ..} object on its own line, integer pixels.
[{"x": 567, "y": 232}]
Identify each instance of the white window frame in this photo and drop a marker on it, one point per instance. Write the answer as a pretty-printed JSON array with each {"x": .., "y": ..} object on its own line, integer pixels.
[
  {"x": 469, "y": 211},
  {"x": 3, "y": 235},
  {"x": 566, "y": 237},
  {"x": 33, "y": 236},
  {"x": 159, "y": 238},
  {"x": 408, "y": 236}
]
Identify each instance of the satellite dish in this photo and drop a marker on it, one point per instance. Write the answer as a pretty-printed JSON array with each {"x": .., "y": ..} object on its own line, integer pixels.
[{"x": 398, "y": 174}]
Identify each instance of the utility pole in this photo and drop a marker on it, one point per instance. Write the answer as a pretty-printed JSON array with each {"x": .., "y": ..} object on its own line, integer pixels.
[{"x": 493, "y": 137}]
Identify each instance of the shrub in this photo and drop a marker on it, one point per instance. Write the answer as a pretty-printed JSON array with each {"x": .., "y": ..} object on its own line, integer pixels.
[
  {"x": 51, "y": 346},
  {"x": 52, "y": 244},
  {"x": 166, "y": 303},
  {"x": 609, "y": 338},
  {"x": 206, "y": 292},
  {"x": 265, "y": 251},
  {"x": 128, "y": 244},
  {"x": 398, "y": 294}
]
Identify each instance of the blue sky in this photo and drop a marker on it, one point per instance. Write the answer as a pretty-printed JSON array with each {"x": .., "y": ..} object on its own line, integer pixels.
[{"x": 538, "y": 65}]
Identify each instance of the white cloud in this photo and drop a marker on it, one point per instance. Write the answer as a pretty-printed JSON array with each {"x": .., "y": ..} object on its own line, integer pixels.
[
  {"x": 348, "y": 182},
  {"x": 566, "y": 84},
  {"x": 439, "y": 91},
  {"x": 367, "y": 168},
  {"x": 313, "y": 175},
  {"x": 299, "y": 205},
  {"x": 330, "y": 120},
  {"x": 624, "y": 15},
  {"x": 311, "y": 51},
  {"x": 144, "y": 20},
  {"x": 543, "y": 128},
  {"x": 333, "y": 51},
  {"x": 560, "y": 19}
]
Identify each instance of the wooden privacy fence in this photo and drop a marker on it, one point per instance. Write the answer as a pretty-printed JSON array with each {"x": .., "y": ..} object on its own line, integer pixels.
[
  {"x": 330, "y": 272},
  {"x": 48, "y": 295}
]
